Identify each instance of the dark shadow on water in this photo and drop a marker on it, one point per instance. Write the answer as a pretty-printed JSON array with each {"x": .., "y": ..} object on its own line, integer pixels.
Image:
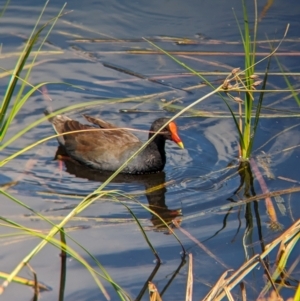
[
  {"x": 246, "y": 181},
  {"x": 154, "y": 184},
  {"x": 244, "y": 190},
  {"x": 164, "y": 289},
  {"x": 247, "y": 185}
]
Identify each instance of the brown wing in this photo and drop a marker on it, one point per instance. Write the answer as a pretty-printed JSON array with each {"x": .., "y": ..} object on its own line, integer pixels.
[
  {"x": 101, "y": 123},
  {"x": 93, "y": 144},
  {"x": 131, "y": 138}
]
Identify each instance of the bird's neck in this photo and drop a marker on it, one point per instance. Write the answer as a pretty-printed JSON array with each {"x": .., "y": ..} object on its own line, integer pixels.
[{"x": 159, "y": 141}]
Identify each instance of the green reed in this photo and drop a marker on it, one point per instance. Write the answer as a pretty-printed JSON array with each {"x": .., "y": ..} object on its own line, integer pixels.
[
  {"x": 14, "y": 97},
  {"x": 239, "y": 84}
]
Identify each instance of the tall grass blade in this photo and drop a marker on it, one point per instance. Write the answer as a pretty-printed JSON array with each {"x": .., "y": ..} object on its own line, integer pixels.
[
  {"x": 258, "y": 109},
  {"x": 18, "y": 106},
  {"x": 17, "y": 71},
  {"x": 249, "y": 70},
  {"x": 4, "y": 8},
  {"x": 16, "y": 74},
  {"x": 291, "y": 88},
  {"x": 53, "y": 21}
]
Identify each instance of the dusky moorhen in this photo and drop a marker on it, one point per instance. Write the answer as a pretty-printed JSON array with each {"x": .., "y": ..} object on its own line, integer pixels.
[{"x": 109, "y": 147}]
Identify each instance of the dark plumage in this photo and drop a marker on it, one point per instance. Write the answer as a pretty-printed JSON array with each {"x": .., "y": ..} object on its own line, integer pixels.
[{"x": 106, "y": 147}]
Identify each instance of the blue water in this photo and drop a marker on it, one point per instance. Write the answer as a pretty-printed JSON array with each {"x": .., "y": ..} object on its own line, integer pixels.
[{"x": 198, "y": 180}]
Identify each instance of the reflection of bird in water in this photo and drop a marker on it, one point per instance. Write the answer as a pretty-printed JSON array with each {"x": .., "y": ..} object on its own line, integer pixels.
[
  {"x": 155, "y": 190},
  {"x": 154, "y": 184}
]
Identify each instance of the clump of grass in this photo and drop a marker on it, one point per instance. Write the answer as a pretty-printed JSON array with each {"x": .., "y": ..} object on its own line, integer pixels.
[
  {"x": 12, "y": 102},
  {"x": 239, "y": 82},
  {"x": 14, "y": 97}
]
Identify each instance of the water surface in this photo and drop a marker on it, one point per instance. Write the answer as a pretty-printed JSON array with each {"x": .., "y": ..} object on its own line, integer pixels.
[{"x": 199, "y": 182}]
